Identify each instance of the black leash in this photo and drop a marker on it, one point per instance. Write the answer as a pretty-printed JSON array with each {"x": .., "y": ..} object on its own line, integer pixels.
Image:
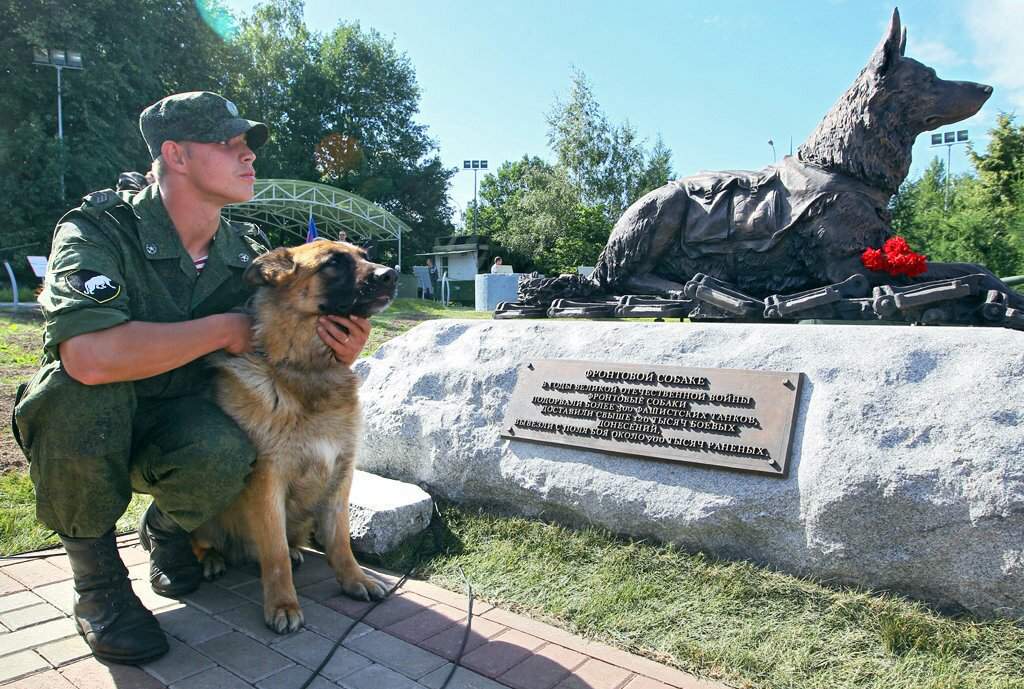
[
  {"x": 49, "y": 551},
  {"x": 417, "y": 560}
]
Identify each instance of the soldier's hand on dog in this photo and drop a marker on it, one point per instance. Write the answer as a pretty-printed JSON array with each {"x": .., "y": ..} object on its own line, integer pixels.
[
  {"x": 346, "y": 336},
  {"x": 237, "y": 332}
]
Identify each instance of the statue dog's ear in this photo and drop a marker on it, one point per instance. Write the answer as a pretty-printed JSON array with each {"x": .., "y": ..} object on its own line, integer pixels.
[
  {"x": 891, "y": 47},
  {"x": 272, "y": 268}
]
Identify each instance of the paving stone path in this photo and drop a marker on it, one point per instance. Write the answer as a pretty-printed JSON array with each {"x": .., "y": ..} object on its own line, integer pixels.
[{"x": 218, "y": 639}]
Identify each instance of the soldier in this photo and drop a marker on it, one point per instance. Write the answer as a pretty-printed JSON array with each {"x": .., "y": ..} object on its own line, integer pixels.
[
  {"x": 140, "y": 287},
  {"x": 131, "y": 181}
]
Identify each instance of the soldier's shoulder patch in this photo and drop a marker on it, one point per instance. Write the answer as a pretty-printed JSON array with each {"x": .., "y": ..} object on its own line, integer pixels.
[
  {"x": 96, "y": 286},
  {"x": 255, "y": 237},
  {"x": 247, "y": 228},
  {"x": 105, "y": 198}
]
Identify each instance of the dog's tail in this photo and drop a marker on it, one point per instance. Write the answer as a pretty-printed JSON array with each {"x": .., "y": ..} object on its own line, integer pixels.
[{"x": 538, "y": 291}]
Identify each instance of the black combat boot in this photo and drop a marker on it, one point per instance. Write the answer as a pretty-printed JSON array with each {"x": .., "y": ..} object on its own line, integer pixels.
[
  {"x": 107, "y": 612},
  {"x": 173, "y": 568}
]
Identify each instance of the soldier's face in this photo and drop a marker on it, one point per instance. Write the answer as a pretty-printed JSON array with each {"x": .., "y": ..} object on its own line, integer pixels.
[{"x": 223, "y": 171}]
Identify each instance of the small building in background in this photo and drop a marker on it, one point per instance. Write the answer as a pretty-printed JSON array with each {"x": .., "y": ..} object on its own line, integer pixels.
[{"x": 462, "y": 257}]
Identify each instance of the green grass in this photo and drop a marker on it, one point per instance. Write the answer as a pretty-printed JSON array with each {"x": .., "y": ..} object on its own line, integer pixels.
[
  {"x": 732, "y": 621},
  {"x": 20, "y": 342},
  {"x": 19, "y": 530},
  {"x": 26, "y": 293},
  {"x": 423, "y": 309},
  {"x": 21, "y": 338},
  {"x": 405, "y": 314}
]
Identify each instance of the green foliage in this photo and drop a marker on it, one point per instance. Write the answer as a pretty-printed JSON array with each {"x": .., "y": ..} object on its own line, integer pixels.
[
  {"x": 1001, "y": 167},
  {"x": 314, "y": 90},
  {"x": 584, "y": 236},
  {"x": 983, "y": 221},
  {"x": 606, "y": 165},
  {"x": 341, "y": 109},
  {"x": 131, "y": 59},
  {"x": 555, "y": 217}
]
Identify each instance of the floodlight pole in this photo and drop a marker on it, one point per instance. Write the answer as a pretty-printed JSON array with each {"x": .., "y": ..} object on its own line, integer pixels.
[
  {"x": 60, "y": 132},
  {"x": 949, "y": 142},
  {"x": 60, "y": 109},
  {"x": 475, "y": 166},
  {"x": 945, "y": 193},
  {"x": 59, "y": 60}
]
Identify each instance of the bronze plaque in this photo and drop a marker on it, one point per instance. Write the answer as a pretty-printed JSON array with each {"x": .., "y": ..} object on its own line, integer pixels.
[{"x": 722, "y": 417}]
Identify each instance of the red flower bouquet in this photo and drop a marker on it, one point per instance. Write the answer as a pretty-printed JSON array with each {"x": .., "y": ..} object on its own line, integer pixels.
[{"x": 896, "y": 258}]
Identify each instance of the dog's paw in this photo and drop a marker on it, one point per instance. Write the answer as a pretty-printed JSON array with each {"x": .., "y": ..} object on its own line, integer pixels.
[
  {"x": 283, "y": 618},
  {"x": 297, "y": 557},
  {"x": 213, "y": 565},
  {"x": 362, "y": 587}
]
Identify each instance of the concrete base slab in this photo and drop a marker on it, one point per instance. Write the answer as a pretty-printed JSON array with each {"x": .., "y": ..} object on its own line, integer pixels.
[{"x": 384, "y": 512}]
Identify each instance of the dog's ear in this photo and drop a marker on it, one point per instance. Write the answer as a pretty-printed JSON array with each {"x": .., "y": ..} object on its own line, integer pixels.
[
  {"x": 888, "y": 51},
  {"x": 271, "y": 268},
  {"x": 903, "y": 42}
]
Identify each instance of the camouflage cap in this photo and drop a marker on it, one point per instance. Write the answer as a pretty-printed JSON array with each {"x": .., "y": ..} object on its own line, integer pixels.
[{"x": 197, "y": 116}]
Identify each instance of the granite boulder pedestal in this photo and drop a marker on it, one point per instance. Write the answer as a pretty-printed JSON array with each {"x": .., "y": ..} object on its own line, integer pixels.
[{"x": 906, "y": 472}]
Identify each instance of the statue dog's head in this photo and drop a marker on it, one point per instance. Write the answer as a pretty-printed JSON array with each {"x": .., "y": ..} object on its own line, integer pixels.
[{"x": 918, "y": 97}]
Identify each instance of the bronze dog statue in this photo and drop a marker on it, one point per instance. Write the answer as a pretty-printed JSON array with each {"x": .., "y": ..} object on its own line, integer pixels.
[{"x": 742, "y": 243}]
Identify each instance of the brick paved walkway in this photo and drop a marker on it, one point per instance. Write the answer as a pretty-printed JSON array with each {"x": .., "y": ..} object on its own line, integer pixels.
[{"x": 218, "y": 639}]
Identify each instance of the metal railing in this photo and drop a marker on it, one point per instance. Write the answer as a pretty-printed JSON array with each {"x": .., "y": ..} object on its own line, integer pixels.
[
  {"x": 446, "y": 290},
  {"x": 14, "y": 284}
]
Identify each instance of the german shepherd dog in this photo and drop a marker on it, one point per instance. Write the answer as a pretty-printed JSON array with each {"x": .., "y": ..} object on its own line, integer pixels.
[
  {"x": 845, "y": 173},
  {"x": 301, "y": 410}
]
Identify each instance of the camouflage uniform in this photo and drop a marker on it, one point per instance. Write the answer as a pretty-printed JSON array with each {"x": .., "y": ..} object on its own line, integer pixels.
[{"x": 115, "y": 259}]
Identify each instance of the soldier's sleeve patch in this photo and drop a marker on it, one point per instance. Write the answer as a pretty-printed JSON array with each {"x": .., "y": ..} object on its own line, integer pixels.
[{"x": 97, "y": 287}]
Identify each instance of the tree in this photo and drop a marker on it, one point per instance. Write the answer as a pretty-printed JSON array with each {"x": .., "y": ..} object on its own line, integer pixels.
[
  {"x": 132, "y": 58},
  {"x": 1001, "y": 167},
  {"x": 607, "y": 165},
  {"x": 971, "y": 228},
  {"x": 274, "y": 75},
  {"x": 558, "y": 216},
  {"x": 501, "y": 191},
  {"x": 341, "y": 109}
]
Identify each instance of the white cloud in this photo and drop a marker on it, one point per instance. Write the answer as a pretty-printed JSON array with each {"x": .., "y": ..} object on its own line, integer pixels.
[
  {"x": 933, "y": 53},
  {"x": 997, "y": 28}
]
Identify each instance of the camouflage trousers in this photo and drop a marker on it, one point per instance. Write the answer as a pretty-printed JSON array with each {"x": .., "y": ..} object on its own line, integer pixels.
[{"x": 89, "y": 447}]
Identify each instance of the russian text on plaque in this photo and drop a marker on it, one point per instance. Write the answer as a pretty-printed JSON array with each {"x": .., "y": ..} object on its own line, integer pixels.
[{"x": 733, "y": 418}]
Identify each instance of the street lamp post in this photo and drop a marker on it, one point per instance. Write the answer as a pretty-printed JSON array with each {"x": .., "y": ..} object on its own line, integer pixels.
[
  {"x": 474, "y": 165},
  {"x": 772, "y": 144},
  {"x": 60, "y": 59},
  {"x": 949, "y": 140}
]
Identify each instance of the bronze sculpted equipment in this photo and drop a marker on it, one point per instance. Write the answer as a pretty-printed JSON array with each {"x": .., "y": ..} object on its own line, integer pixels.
[{"x": 788, "y": 242}]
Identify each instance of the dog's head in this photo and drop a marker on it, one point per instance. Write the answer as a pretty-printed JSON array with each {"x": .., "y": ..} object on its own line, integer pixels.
[
  {"x": 912, "y": 92},
  {"x": 869, "y": 133},
  {"x": 324, "y": 277}
]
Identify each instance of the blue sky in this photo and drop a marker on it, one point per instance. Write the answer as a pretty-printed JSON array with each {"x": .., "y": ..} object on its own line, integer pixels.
[{"x": 715, "y": 80}]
